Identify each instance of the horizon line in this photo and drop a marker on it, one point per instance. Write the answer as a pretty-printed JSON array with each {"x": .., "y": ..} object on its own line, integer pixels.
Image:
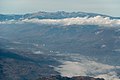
[{"x": 55, "y": 12}]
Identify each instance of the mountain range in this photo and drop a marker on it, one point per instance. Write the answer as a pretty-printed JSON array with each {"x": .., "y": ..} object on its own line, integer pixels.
[
  {"x": 44, "y": 44},
  {"x": 51, "y": 15}
]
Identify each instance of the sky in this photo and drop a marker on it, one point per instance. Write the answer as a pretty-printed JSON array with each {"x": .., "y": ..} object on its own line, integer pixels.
[{"x": 109, "y": 7}]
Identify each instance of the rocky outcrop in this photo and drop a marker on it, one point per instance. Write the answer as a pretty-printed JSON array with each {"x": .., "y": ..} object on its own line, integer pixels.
[{"x": 58, "y": 77}]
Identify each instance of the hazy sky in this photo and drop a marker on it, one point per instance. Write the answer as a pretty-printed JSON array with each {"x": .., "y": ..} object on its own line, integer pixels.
[{"x": 110, "y": 7}]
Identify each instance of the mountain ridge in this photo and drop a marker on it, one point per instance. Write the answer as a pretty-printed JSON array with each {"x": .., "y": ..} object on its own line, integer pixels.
[{"x": 51, "y": 15}]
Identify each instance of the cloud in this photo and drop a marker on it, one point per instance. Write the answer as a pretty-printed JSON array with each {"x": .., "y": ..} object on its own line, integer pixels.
[
  {"x": 97, "y": 20},
  {"x": 88, "y": 68},
  {"x": 79, "y": 65}
]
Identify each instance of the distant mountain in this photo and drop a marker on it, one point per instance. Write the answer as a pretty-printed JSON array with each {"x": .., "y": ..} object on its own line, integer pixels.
[
  {"x": 10, "y": 17},
  {"x": 60, "y": 15},
  {"x": 51, "y": 15}
]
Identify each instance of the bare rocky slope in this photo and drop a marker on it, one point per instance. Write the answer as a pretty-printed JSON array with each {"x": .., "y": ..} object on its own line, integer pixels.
[{"x": 58, "y": 77}]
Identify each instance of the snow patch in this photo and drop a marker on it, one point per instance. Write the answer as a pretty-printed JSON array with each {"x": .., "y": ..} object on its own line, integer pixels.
[
  {"x": 103, "y": 46},
  {"x": 98, "y": 32},
  {"x": 11, "y": 48},
  {"x": 15, "y": 42},
  {"x": 38, "y": 52},
  {"x": 117, "y": 50}
]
